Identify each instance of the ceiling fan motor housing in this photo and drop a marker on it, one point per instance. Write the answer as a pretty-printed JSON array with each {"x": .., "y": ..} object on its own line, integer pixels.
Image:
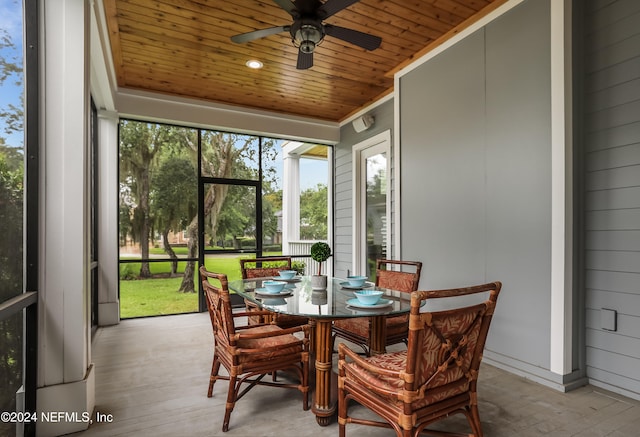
[
  {"x": 308, "y": 31},
  {"x": 307, "y": 34}
]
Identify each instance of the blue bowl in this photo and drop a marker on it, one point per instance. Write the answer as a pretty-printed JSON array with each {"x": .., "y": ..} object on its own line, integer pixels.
[
  {"x": 356, "y": 281},
  {"x": 287, "y": 274},
  {"x": 368, "y": 297},
  {"x": 274, "y": 286}
]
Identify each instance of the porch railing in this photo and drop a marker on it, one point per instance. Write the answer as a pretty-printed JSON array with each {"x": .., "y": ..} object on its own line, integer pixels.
[{"x": 300, "y": 250}]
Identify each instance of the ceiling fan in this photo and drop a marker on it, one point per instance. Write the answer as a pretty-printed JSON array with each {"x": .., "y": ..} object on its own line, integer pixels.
[{"x": 308, "y": 30}]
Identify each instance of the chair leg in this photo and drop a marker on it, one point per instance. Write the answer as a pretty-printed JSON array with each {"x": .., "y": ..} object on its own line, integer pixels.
[
  {"x": 474, "y": 420},
  {"x": 305, "y": 385},
  {"x": 342, "y": 408},
  {"x": 231, "y": 402},
  {"x": 214, "y": 375}
]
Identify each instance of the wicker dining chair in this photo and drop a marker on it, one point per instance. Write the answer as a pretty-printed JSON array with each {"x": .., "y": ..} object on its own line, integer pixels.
[
  {"x": 406, "y": 279},
  {"x": 265, "y": 268},
  {"x": 248, "y": 353},
  {"x": 435, "y": 377}
]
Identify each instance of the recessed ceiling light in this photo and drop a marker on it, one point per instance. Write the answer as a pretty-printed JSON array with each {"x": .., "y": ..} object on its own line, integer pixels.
[{"x": 253, "y": 63}]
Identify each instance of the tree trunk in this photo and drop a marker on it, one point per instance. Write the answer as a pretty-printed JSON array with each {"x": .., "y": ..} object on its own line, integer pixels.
[
  {"x": 169, "y": 251},
  {"x": 187, "y": 279},
  {"x": 145, "y": 232},
  {"x": 213, "y": 200}
]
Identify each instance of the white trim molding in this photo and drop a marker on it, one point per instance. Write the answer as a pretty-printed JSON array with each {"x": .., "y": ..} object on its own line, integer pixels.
[
  {"x": 383, "y": 139},
  {"x": 561, "y": 345}
]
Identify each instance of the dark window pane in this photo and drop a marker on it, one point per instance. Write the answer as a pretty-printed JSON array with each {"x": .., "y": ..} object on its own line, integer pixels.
[
  {"x": 10, "y": 367},
  {"x": 158, "y": 219},
  {"x": 11, "y": 205},
  {"x": 11, "y": 150},
  {"x": 158, "y": 189}
]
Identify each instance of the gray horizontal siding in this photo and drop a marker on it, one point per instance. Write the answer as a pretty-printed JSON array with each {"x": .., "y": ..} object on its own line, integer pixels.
[
  {"x": 622, "y": 177},
  {"x": 613, "y": 240},
  {"x": 625, "y": 92},
  {"x": 613, "y": 137},
  {"x": 614, "y": 75},
  {"x": 613, "y": 260},
  {"x": 612, "y": 197},
  {"x": 613, "y": 220},
  {"x": 613, "y": 116},
  {"x": 614, "y": 342},
  {"x": 626, "y": 282},
  {"x": 622, "y": 156},
  {"x": 627, "y": 197},
  {"x": 629, "y": 303}
]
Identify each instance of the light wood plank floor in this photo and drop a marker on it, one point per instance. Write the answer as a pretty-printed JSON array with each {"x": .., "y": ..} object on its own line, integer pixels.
[{"x": 152, "y": 376}]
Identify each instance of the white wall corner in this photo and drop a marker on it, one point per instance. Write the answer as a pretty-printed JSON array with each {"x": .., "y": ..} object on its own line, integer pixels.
[
  {"x": 561, "y": 341},
  {"x": 108, "y": 308},
  {"x": 66, "y": 408},
  {"x": 109, "y": 313}
]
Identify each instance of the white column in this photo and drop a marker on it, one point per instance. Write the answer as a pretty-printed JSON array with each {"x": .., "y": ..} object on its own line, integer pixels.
[
  {"x": 65, "y": 376},
  {"x": 290, "y": 197},
  {"x": 108, "y": 303},
  {"x": 561, "y": 341}
]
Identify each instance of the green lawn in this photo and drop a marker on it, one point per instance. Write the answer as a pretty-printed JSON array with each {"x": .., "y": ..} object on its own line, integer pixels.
[{"x": 159, "y": 296}]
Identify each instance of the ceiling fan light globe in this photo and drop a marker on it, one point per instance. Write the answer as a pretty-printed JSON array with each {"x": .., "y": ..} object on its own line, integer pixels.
[
  {"x": 307, "y": 46},
  {"x": 307, "y": 37}
]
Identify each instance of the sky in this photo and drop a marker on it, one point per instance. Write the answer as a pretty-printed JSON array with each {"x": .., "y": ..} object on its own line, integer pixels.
[
  {"x": 11, "y": 26},
  {"x": 312, "y": 172}
]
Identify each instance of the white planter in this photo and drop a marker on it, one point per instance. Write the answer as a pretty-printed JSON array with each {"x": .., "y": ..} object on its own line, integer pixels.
[{"x": 318, "y": 282}]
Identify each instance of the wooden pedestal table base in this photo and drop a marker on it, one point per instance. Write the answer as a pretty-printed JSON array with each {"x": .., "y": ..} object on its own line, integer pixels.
[
  {"x": 378, "y": 335},
  {"x": 324, "y": 407}
]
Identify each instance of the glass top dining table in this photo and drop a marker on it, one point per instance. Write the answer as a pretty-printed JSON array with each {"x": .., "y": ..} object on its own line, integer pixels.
[
  {"x": 322, "y": 307},
  {"x": 336, "y": 301}
]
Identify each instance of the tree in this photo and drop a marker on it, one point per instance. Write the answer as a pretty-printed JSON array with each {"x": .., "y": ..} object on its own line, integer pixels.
[
  {"x": 11, "y": 219},
  {"x": 222, "y": 156},
  {"x": 149, "y": 183},
  {"x": 139, "y": 146},
  {"x": 11, "y": 267},
  {"x": 237, "y": 216},
  {"x": 314, "y": 213},
  {"x": 11, "y": 199},
  {"x": 175, "y": 197}
]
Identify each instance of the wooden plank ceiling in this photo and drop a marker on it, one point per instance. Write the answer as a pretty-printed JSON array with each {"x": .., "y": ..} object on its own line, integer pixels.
[{"x": 183, "y": 48}]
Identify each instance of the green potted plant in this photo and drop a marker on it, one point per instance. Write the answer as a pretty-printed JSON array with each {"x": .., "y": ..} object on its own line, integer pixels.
[{"x": 320, "y": 252}]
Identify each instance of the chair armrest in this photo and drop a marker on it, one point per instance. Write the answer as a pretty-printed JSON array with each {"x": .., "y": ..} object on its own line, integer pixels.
[
  {"x": 288, "y": 331},
  {"x": 252, "y": 313},
  {"x": 344, "y": 352}
]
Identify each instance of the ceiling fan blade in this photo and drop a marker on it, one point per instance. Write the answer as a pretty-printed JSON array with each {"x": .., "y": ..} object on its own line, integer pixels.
[
  {"x": 287, "y": 5},
  {"x": 305, "y": 60},
  {"x": 250, "y": 36},
  {"x": 361, "y": 39},
  {"x": 334, "y": 6}
]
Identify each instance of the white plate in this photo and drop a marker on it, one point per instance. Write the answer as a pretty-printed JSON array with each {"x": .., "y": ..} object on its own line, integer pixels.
[
  {"x": 348, "y": 286},
  {"x": 265, "y": 293},
  {"x": 294, "y": 279},
  {"x": 382, "y": 303}
]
